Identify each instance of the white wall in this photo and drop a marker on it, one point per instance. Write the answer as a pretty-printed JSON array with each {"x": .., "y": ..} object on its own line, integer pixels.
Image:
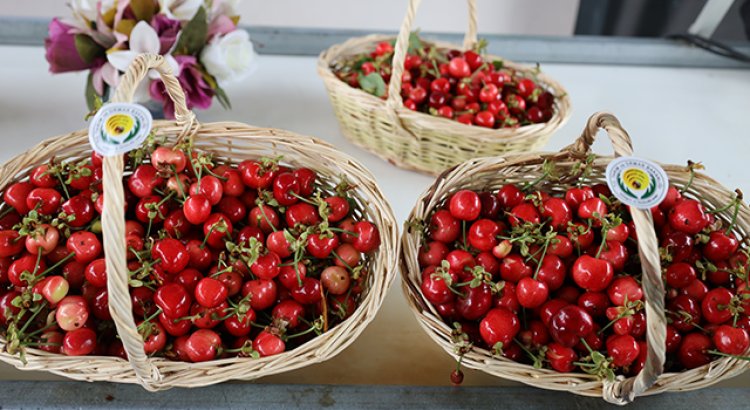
[{"x": 549, "y": 17}]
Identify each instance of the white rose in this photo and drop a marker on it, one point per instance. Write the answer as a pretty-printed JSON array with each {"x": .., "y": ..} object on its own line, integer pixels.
[
  {"x": 86, "y": 9},
  {"x": 230, "y": 57},
  {"x": 180, "y": 9}
]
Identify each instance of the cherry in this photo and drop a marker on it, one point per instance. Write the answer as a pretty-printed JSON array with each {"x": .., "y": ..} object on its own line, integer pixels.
[
  {"x": 561, "y": 357},
  {"x": 96, "y": 273},
  {"x": 684, "y": 312},
  {"x": 79, "y": 342},
  {"x": 482, "y": 234},
  {"x": 465, "y": 205},
  {"x": 263, "y": 293},
  {"x": 301, "y": 214},
  {"x": 499, "y": 325},
  {"x": 720, "y": 246},
  {"x": 623, "y": 349},
  {"x": 688, "y": 216},
  {"x": 624, "y": 289},
  {"x": 513, "y": 268},
  {"x": 715, "y": 306},
  {"x": 731, "y": 340},
  {"x": 693, "y": 351},
  {"x": 203, "y": 345},
  {"x": 143, "y": 181},
  {"x": 592, "y": 274},
  {"x": 367, "y": 237},
  {"x": 335, "y": 280},
  {"x": 268, "y": 344},
  {"x": 15, "y": 196},
  {"x": 595, "y": 303},
  {"x": 84, "y": 245},
  {"x": 509, "y": 196},
  {"x": 45, "y": 200},
  {"x": 474, "y": 302},
  {"x": 444, "y": 227},
  {"x": 241, "y": 324},
  {"x": 154, "y": 337},
  {"x": 173, "y": 300},
  {"x": 524, "y": 212},
  {"x": 593, "y": 209},
  {"x": 679, "y": 275},
  {"x": 569, "y": 324},
  {"x": 72, "y": 313},
  {"x": 197, "y": 209},
  {"x": 531, "y": 293},
  {"x": 210, "y": 292},
  {"x": 558, "y": 212}
]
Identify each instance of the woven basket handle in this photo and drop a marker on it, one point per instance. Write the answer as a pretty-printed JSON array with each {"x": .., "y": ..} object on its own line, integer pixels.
[
  {"x": 402, "y": 45},
  {"x": 624, "y": 391},
  {"x": 113, "y": 217}
]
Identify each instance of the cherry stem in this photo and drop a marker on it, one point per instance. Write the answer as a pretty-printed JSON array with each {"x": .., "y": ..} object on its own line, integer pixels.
[
  {"x": 268, "y": 221},
  {"x": 312, "y": 328},
  {"x": 544, "y": 253},
  {"x": 38, "y": 260},
  {"x": 37, "y": 344},
  {"x": 733, "y": 356},
  {"x": 65, "y": 189},
  {"x": 213, "y": 174},
  {"x": 302, "y": 198},
  {"x": 334, "y": 229},
  {"x": 150, "y": 318},
  {"x": 734, "y": 215},
  {"x": 42, "y": 329},
  {"x": 31, "y": 319},
  {"x": 56, "y": 265},
  {"x": 6, "y": 211}
]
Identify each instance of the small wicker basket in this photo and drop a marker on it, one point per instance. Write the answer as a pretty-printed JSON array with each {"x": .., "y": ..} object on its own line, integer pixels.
[
  {"x": 415, "y": 140},
  {"x": 228, "y": 140},
  {"x": 491, "y": 174}
]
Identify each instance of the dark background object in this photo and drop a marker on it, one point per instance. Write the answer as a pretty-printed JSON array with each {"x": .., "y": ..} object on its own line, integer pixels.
[{"x": 648, "y": 18}]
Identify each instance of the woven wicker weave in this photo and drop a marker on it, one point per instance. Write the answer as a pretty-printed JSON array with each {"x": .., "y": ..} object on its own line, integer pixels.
[
  {"x": 419, "y": 141},
  {"x": 491, "y": 174},
  {"x": 226, "y": 140}
]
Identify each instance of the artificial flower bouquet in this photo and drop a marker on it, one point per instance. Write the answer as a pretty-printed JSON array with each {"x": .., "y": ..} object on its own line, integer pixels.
[{"x": 199, "y": 38}]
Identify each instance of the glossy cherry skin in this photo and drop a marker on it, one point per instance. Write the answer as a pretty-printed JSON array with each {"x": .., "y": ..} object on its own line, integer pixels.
[{"x": 570, "y": 324}]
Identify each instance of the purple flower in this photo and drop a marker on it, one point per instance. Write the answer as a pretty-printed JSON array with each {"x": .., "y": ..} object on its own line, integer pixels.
[
  {"x": 62, "y": 54},
  {"x": 167, "y": 29},
  {"x": 197, "y": 93}
]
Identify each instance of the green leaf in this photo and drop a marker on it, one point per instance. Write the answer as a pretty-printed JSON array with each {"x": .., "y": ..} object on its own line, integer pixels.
[
  {"x": 143, "y": 9},
  {"x": 498, "y": 64},
  {"x": 373, "y": 83},
  {"x": 194, "y": 34},
  {"x": 222, "y": 97},
  {"x": 415, "y": 43},
  {"x": 90, "y": 93},
  {"x": 87, "y": 48}
]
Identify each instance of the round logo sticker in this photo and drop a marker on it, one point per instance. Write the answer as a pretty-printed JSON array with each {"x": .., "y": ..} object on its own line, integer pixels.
[
  {"x": 637, "y": 182},
  {"x": 119, "y": 127}
]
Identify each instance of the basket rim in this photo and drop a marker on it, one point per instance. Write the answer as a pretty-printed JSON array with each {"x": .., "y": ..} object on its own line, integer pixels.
[
  {"x": 367, "y": 309},
  {"x": 559, "y": 118},
  {"x": 416, "y": 300}
]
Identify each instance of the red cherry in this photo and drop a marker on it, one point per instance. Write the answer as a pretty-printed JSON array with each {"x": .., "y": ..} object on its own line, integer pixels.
[
  {"x": 592, "y": 274},
  {"x": 465, "y": 205}
]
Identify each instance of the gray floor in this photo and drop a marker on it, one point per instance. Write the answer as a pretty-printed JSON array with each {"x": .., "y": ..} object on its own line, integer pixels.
[{"x": 76, "y": 395}]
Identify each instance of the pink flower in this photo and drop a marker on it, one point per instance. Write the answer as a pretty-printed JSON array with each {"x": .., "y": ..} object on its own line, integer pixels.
[
  {"x": 167, "y": 29},
  {"x": 220, "y": 26},
  {"x": 61, "y": 49},
  {"x": 197, "y": 93}
]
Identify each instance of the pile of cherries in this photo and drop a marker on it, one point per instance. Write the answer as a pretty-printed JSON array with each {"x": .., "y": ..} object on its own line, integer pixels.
[
  {"x": 248, "y": 259},
  {"x": 461, "y": 85},
  {"x": 554, "y": 280}
]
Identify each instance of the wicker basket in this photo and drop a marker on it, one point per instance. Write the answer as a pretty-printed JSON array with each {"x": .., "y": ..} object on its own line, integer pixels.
[
  {"x": 491, "y": 174},
  {"x": 226, "y": 140},
  {"x": 419, "y": 141}
]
